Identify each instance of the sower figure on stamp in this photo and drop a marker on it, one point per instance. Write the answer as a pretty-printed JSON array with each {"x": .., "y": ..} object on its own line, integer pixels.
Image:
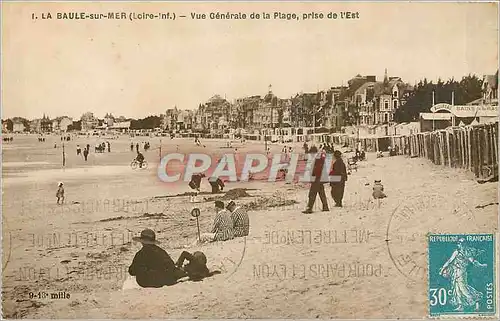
[
  {"x": 463, "y": 295},
  {"x": 317, "y": 186},
  {"x": 338, "y": 169}
]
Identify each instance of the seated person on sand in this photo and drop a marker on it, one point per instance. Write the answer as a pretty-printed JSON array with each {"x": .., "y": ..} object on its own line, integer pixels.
[
  {"x": 196, "y": 269},
  {"x": 241, "y": 222},
  {"x": 378, "y": 190},
  {"x": 152, "y": 266},
  {"x": 223, "y": 226},
  {"x": 216, "y": 183}
]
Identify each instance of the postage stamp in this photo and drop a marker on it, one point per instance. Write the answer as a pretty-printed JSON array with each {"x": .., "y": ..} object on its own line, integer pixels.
[{"x": 461, "y": 275}]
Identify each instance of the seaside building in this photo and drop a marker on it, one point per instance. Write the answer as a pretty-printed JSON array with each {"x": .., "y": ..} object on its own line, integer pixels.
[
  {"x": 88, "y": 121},
  {"x": 17, "y": 125},
  {"x": 45, "y": 124},
  {"x": 377, "y": 101},
  {"x": 61, "y": 124},
  {"x": 479, "y": 111}
]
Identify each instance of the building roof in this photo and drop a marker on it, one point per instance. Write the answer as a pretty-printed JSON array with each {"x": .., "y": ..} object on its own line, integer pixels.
[{"x": 363, "y": 87}]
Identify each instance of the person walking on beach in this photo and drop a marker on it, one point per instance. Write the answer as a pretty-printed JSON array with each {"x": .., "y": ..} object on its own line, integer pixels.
[
  {"x": 317, "y": 186},
  {"x": 60, "y": 194},
  {"x": 338, "y": 169},
  {"x": 131, "y": 147},
  {"x": 137, "y": 147},
  {"x": 85, "y": 153},
  {"x": 109, "y": 147},
  {"x": 152, "y": 266}
]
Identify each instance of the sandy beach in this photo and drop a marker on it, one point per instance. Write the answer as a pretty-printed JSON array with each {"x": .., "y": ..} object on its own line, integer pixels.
[{"x": 344, "y": 263}]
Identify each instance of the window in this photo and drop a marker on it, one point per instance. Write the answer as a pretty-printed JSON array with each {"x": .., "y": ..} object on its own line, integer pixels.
[
  {"x": 386, "y": 105},
  {"x": 395, "y": 93},
  {"x": 395, "y": 104}
]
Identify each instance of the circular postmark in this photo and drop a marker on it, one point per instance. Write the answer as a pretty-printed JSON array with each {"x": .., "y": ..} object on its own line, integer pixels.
[{"x": 410, "y": 223}]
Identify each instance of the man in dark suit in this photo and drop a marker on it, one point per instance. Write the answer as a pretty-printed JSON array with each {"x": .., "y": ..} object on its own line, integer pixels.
[
  {"x": 338, "y": 169},
  {"x": 152, "y": 266},
  {"x": 317, "y": 186}
]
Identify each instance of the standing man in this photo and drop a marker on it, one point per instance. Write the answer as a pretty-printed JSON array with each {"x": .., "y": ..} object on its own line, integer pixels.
[
  {"x": 137, "y": 147},
  {"x": 109, "y": 147},
  {"x": 85, "y": 153},
  {"x": 338, "y": 169},
  {"x": 241, "y": 222},
  {"x": 317, "y": 186},
  {"x": 78, "y": 150}
]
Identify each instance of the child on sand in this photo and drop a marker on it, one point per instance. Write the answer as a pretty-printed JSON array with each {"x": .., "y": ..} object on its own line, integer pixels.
[
  {"x": 60, "y": 194},
  {"x": 378, "y": 190}
]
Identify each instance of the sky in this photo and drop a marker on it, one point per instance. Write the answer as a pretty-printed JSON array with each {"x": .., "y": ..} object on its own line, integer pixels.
[{"x": 143, "y": 67}]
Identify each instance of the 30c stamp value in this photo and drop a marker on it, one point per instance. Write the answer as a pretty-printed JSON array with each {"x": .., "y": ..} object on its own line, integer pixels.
[{"x": 461, "y": 275}]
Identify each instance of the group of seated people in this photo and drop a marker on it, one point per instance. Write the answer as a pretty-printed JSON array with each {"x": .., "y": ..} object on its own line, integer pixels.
[
  {"x": 153, "y": 267},
  {"x": 230, "y": 222}
]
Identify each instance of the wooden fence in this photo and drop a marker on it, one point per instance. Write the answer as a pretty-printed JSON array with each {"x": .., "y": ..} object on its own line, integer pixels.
[{"x": 474, "y": 148}]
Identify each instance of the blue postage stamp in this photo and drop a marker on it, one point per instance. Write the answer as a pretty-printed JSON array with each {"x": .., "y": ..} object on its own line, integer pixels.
[{"x": 462, "y": 275}]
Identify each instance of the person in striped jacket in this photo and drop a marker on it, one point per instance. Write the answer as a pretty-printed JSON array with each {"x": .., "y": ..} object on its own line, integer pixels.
[
  {"x": 223, "y": 226},
  {"x": 241, "y": 222}
]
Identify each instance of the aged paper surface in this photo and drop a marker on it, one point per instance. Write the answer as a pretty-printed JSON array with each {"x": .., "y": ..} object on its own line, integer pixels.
[{"x": 388, "y": 111}]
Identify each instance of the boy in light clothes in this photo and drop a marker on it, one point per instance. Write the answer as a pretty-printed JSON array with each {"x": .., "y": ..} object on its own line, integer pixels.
[{"x": 60, "y": 194}]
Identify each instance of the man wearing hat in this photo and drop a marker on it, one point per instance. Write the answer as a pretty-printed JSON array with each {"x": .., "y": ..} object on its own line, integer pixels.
[
  {"x": 338, "y": 169},
  {"x": 317, "y": 186},
  {"x": 60, "y": 193},
  {"x": 241, "y": 222},
  {"x": 223, "y": 225},
  {"x": 152, "y": 266}
]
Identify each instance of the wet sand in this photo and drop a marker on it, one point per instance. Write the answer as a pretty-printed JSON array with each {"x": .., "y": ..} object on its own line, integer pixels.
[{"x": 336, "y": 264}]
